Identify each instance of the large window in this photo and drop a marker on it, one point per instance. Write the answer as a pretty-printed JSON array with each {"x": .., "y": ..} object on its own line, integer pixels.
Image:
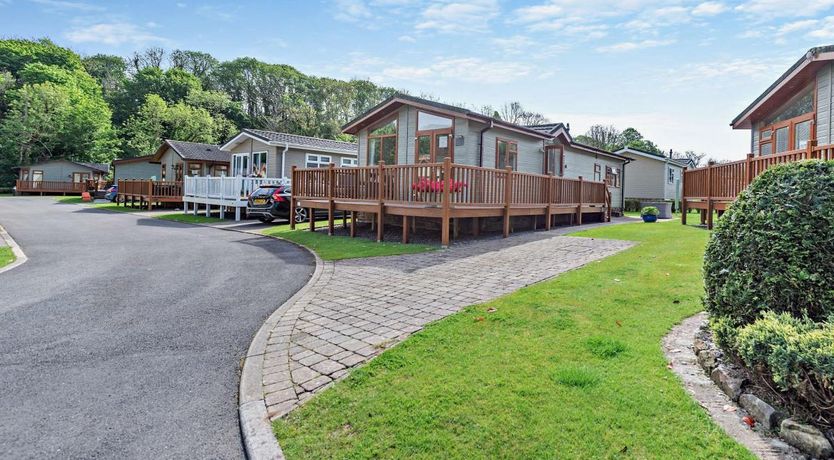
[
  {"x": 789, "y": 128},
  {"x": 37, "y": 176},
  {"x": 240, "y": 164},
  {"x": 434, "y": 138},
  {"x": 348, "y": 162},
  {"x": 80, "y": 177},
  {"x": 382, "y": 143},
  {"x": 506, "y": 153},
  {"x": 317, "y": 161},
  {"x": 195, "y": 169},
  {"x": 242, "y": 167}
]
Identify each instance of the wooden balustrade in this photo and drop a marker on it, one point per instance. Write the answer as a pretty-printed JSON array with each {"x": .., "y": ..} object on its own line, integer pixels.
[
  {"x": 148, "y": 192},
  {"x": 444, "y": 190},
  {"x": 713, "y": 187},
  {"x": 50, "y": 186}
]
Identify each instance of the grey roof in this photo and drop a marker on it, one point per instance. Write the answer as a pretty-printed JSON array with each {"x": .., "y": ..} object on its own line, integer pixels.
[
  {"x": 311, "y": 142},
  {"x": 683, "y": 162},
  {"x": 547, "y": 128},
  {"x": 197, "y": 151},
  {"x": 101, "y": 167}
]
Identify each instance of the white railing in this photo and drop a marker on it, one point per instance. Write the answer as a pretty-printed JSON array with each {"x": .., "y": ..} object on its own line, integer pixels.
[{"x": 226, "y": 188}]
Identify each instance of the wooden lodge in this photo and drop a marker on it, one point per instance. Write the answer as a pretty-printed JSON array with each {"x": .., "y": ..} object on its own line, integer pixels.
[
  {"x": 793, "y": 120},
  {"x": 445, "y": 191},
  {"x": 60, "y": 176}
]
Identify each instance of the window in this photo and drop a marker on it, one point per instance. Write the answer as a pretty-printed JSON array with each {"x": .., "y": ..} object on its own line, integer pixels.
[
  {"x": 317, "y": 161},
  {"x": 37, "y": 176},
  {"x": 24, "y": 174},
  {"x": 221, "y": 170},
  {"x": 597, "y": 172},
  {"x": 240, "y": 164},
  {"x": 80, "y": 177},
  {"x": 348, "y": 162},
  {"x": 671, "y": 175},
  {"x": 434, "y": 138},
  {"x": 506, "y": 153},
  {"x": 195, "y": 169},
  {"x": 612, "y": 176},
  {"x": 552, "y": 158},
  {"x": 259, "y": 163},
  {"x": 791, "y": 127},
  {"x": 382, "y": 143},
  {"x": 429, "y": 122}
]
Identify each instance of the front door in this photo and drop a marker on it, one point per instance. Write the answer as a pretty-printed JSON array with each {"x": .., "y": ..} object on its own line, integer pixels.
[{"x": 434, "y": 146}]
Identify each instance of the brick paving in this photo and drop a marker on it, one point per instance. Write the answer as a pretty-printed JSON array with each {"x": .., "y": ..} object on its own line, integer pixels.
[{"x": 359, "y": 307}]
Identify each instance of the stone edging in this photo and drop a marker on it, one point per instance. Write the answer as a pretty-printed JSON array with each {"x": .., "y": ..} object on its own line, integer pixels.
[
  {"x": 20, "y": 257},
  {"x": 255, "y": 426}
]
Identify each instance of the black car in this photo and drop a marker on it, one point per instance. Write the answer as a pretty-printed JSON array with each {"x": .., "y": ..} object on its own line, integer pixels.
[{"x": 270, "y": 202}]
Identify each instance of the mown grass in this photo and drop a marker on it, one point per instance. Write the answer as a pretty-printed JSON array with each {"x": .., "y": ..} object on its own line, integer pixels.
[
  {"x": 6, "y": 256},
  {"x": 343, "y": 247},
  {"x": 189, "y": 218},
  {"x": 106, "y": 206},
  {"x": 568, "y": 368}
]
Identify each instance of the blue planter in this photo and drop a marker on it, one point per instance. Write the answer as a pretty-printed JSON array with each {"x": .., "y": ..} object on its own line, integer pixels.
[{"x": 649, "y": 218}]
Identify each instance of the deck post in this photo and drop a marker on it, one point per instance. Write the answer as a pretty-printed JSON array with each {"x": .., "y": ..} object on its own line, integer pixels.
[
  {"x": 353, "y": 224},
  {"x": 548, "y": 212},
  {"x": 508, "y": 198},
  {"x": 810, "y": 149},
  {"x": 684, "y": 211},
  {"x": 579, "y": 207},
  {"x": 293, "y": 191},
  {"x": 331, "y": 174},
  {"x": 748, "y": 169},
  {"x": 380, "y": 214},
  {"x": 150, "y": 194},
  {"x": 709, "y": 194},
  {"x": 446, "y": 203},
  {"x": 405, "y": 229},
  {"x": 311, "y": 216},
  {"x": 476, "y": 226}
]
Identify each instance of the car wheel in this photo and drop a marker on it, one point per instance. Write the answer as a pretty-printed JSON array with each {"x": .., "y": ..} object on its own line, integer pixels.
[
  {"x": 266, "y": 219},
  {"x": 300, "y": 215}
]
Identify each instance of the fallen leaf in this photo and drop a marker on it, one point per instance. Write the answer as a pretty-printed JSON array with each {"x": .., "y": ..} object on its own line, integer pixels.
[
  {"x": 729, "y": 408},
  {"x": 479, "y": 318},
  {"x": 491, "y": 310},
  {"x": 619, "y": 323},
  {"x": 749, "y": 421}
]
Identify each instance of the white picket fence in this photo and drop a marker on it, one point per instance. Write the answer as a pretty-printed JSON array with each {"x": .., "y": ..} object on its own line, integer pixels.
[{"x": 223, "y": 191}]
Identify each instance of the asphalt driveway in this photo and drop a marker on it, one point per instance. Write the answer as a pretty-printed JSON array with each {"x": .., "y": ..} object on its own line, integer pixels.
[{"x": 122, "y": 336}]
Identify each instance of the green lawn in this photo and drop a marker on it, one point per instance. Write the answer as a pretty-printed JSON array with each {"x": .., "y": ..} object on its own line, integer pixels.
[
  {"x": 567, "y": 368},
  {"x": 343, "y": 247},
  {"x": 6, "y": 256},
  {"x": 108, "y": 206},
  {"x": 189, "y": 218}
]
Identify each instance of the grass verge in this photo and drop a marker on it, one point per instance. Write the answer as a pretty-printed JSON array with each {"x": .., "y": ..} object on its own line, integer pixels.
[
  {"x": 6, "y": 256},
  {"x": 189, "y": 218},
  {"x": 567, "y": 368},
  {"x": 343, "y": 247},
  {"x": 106, "y": 206}
]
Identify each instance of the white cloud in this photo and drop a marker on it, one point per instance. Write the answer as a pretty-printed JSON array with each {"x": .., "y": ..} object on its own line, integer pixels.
[
  {"x": 824, "y": 28},
  {"x": 784, "y": 8},
  {"x": 469, "y": 16},
  {"x": 68, "y": 5},
  {"x": 114, "y": 34},
  {"x": 469, "y": 70},
  {"x": 709, "y": 9},
  {"x": 407, "y": 39},
  {"x": 632, "y": 46},
  {"x": 351, "y": 10},
  {"x": 725, "y": 68}
]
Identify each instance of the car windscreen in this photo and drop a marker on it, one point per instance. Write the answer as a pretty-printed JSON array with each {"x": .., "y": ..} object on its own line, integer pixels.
[{"x": 263, "y": 191}]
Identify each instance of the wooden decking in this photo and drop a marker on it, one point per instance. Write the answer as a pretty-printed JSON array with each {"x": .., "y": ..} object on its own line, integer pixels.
[
  {"x": 147, "y": 193},
  {"x": 444, "y": 191},
  {"x": 51, "y": 186},
  {"x": 714, "y": 187}
]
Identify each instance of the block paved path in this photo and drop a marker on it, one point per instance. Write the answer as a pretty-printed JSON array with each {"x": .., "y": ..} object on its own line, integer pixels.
[{"x": 357, "y": 308}]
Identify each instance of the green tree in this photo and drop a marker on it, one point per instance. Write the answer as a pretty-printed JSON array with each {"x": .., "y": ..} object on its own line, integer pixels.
[
  {"x": 16, "y": 54},
  {"x": 107, "y": 70}
]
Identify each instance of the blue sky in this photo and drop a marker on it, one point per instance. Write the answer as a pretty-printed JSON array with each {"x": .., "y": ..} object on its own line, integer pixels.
[{"x": 676, "y": 70}]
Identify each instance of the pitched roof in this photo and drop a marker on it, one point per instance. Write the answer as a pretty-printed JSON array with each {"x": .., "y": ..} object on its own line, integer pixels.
[
  {"x": 397, "y": 100},
  {"x": 101, "y": 167},
  {"x": 195, "y": 151},
  {"x": 304, "y": 141},
  {"x": 682, "y": 162},
  {"x": 548, "y": 128},
  {"x": 796, "y": 77}
]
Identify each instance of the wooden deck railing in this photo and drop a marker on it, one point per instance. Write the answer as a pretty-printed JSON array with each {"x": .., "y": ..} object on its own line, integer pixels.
[
  {"x": 714, "y": 186},
  {"x": 450, "y": 188},
  {"x": 149, "y": 191},
  {"x": 50, "y": 186}
]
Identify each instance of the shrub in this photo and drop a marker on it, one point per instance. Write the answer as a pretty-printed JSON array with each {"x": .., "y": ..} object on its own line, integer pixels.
[
  {"x": 650, "y": 211},
  {"x": 771, "y": 251},
  {"x": 798, "y": 355},
  {"x": 632, "y": 205}
]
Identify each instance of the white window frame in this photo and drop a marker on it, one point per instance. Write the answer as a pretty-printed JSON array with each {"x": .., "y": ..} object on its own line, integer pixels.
[
  {"x": 315, "y": 160},
  {"x": 347, "y": 162},
  {"x": 671, "y": 176},
  {"x": 243, "y": 163}
]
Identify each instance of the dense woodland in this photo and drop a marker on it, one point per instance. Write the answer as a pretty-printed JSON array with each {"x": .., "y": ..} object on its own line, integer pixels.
[{"x": 55, "y": 103}]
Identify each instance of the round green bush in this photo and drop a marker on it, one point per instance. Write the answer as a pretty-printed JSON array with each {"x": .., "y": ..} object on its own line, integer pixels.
[
  {"x": 773, "y": 250},
  {"x": 650, "y": 211}
]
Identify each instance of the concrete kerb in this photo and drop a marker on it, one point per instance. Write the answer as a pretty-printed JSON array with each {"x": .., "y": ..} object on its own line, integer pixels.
[{"x": 20, "y": 257}]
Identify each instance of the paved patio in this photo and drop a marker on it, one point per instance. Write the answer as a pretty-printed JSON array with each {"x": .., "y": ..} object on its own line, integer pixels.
[{"x": 357, "y": 308}]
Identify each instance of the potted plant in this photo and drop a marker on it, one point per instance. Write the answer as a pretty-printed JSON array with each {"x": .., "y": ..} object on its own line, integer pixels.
[{"x": 649, "y": 214}]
